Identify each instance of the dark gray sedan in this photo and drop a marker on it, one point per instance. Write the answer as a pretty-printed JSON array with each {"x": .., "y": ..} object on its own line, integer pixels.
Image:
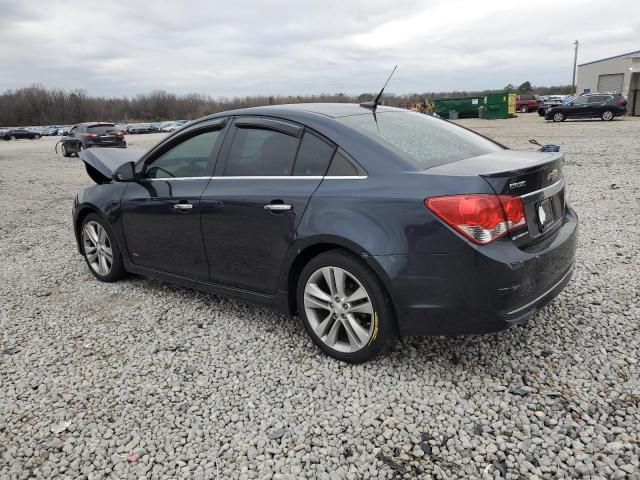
[{"x": 367, "y": 226}]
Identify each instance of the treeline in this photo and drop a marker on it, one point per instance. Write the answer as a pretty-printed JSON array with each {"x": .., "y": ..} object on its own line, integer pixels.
[{"x": 37, "y": 105}]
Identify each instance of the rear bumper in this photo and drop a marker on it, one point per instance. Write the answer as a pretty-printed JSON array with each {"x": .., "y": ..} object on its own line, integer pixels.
[{"x": 479, "y": 289}]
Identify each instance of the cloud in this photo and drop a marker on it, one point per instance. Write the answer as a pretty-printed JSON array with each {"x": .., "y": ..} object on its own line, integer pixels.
[{"x": 286, "y": 47}]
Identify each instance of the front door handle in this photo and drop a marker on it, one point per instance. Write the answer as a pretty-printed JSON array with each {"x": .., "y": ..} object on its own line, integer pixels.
[
  {"x": 183, "y": 206},
  {"x": 277, "y": 207}
]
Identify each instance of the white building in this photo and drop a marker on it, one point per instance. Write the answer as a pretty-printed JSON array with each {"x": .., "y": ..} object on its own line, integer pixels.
[{"x": 620, "y": 74}]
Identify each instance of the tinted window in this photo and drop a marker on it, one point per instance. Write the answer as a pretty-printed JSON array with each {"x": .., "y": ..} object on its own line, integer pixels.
[
  {"x": 314, "y": 156},
  {"x": 187, "y": 159},
  {"x": 581, "y": 100},
  {"x": 99, "y": 129},
  {"x": 341, "y": 166},
  {"x": 261, "y": 152},
  {"x": 430, "y": 141}
]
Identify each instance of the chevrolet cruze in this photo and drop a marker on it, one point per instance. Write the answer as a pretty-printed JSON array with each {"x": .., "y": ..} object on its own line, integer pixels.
[{"x": 365, "y": 223}]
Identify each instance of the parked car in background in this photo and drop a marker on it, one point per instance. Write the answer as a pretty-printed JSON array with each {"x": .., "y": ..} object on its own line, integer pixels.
[
  {"x": 19, "y": 134},
  {"x": 172, "y": 126},
  {"x": 50, "y": 131},
  {"x": 605, "y": 106},
  {"x": 549, "y": 101},
  {"x": 181, "y": 122},
  {"x": 526, "y": 103},
  {"x": 90, "y": 135},
  {"x": 137, "y": 128},
  {"x": 367, "y": 225},
  {"x": 64, "y": 129}
]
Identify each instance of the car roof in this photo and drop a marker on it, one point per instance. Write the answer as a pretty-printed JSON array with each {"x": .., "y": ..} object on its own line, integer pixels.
[{"x": 333, "y": 110}]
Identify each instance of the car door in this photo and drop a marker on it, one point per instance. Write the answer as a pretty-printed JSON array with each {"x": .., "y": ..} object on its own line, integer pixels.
[
  {"x": 596, "y": 104},
  {"x": 267, "y": 173},
  {"x": 578, "y": 107},
  {"x": 161, "y": 209}
]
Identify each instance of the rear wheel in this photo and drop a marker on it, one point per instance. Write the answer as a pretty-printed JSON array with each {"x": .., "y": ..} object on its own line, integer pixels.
[
  {"x": 344, "y": 307},
  {"x": 65, "y": 153},
  {"x": 559, "y": 117},
  {"x": 524, "y": 109},
  {"x": 607, "y": 115},
  {"x": 100, "y": 249},
  {"x": 12, "y": 137}
]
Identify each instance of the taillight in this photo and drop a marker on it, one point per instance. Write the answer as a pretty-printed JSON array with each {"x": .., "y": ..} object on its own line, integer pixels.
[
  {"x": 622, "y": 101},
  {"x": 89, "y": 135},
  {"x": 482, "y": 218}
]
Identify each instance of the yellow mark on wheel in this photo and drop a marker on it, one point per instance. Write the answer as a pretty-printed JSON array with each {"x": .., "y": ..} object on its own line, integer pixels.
[{"x": 375, "y": 328}]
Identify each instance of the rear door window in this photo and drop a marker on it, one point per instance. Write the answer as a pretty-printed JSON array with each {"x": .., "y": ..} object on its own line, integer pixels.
[
  {"x": 341, "y": 166},
  {"x": 314, "y": 156},
  {"x": 261, "y": 152}
]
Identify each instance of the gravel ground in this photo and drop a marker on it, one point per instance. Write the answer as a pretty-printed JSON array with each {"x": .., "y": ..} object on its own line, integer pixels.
[{"x": 140, "y": 379}]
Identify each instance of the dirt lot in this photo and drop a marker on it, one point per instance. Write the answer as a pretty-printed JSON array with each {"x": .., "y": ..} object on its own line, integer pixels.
[{"x": 140, "y": 379}]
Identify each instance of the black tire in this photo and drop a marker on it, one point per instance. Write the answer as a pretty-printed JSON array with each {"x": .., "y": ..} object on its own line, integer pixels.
[
  {"x": 64, "y": 151},
  {"x": 524, "y": 109},
  {"x": 541, "y": 113},
  {"x": 607, "y": 115},
  {"x": 559, "y": 117},
  {"x": 383, "y": 327},
  {"x": 117, "y": 270}
]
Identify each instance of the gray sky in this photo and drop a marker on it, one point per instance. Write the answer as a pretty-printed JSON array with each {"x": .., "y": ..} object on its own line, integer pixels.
[{"x": 247, "y": 47}]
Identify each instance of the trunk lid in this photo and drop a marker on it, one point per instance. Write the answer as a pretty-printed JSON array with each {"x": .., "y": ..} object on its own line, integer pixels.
[{"x": 536, "y": 177}]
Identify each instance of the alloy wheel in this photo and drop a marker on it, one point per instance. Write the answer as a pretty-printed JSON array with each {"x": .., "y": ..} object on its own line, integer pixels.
[
  {"x": 97, "y": 248},
  {"x": 558, "y": 117},
  {"x": 607, "y": 115},
  {"x": 339, "y": 309}
]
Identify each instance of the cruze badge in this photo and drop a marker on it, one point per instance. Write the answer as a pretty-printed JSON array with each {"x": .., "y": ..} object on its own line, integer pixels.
[
  {"x": 553, "y": 174},
  {"x": 517, "y": 184}
]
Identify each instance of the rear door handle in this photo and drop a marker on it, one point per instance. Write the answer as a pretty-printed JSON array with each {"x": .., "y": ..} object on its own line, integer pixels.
[
  {"x": 183, "y": 206},
  {"x": 277, "y": 207}
]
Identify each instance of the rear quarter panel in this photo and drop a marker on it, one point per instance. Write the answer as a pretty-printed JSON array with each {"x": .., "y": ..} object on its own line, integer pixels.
[{"x": 385, "y": 215}]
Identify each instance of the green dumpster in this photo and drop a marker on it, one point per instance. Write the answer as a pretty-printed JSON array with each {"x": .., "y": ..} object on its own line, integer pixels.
[
  {"x": 467, "y": 107},
  {"x": 497, "y": 105}
]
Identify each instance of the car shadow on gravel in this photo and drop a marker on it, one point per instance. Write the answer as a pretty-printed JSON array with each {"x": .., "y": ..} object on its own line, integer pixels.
[{"x": 467, "y": 353}]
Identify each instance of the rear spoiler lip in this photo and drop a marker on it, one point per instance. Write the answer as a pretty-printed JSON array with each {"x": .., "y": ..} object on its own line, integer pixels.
[
  {"x": 522, "y": 162},
  {"x": 107, "y": 160}
]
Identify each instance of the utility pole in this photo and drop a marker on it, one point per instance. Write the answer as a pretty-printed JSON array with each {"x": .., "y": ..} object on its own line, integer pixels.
[{"x": 575, "y": 62}]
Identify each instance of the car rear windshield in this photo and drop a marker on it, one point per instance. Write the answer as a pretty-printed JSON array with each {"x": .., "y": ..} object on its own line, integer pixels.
[
  {"x": 100, "y": 129},
  {"x": 429, "y": 141}
]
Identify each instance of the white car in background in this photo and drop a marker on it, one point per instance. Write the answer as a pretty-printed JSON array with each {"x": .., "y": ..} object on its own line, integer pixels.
[{"x": 171, "y": 127}]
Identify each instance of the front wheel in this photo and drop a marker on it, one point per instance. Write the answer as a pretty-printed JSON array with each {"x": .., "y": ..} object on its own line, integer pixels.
[
  {"x": 344, "y": 307},
  {"x": 100, "y": 250},
  {"x": 559, "y": 117},
  {"x": 607, "y": 115},
  {"x": 524, "y": 109}
]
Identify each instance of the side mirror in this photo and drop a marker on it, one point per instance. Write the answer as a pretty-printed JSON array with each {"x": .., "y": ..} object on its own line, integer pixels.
[{"x": 124, "y": 173}]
